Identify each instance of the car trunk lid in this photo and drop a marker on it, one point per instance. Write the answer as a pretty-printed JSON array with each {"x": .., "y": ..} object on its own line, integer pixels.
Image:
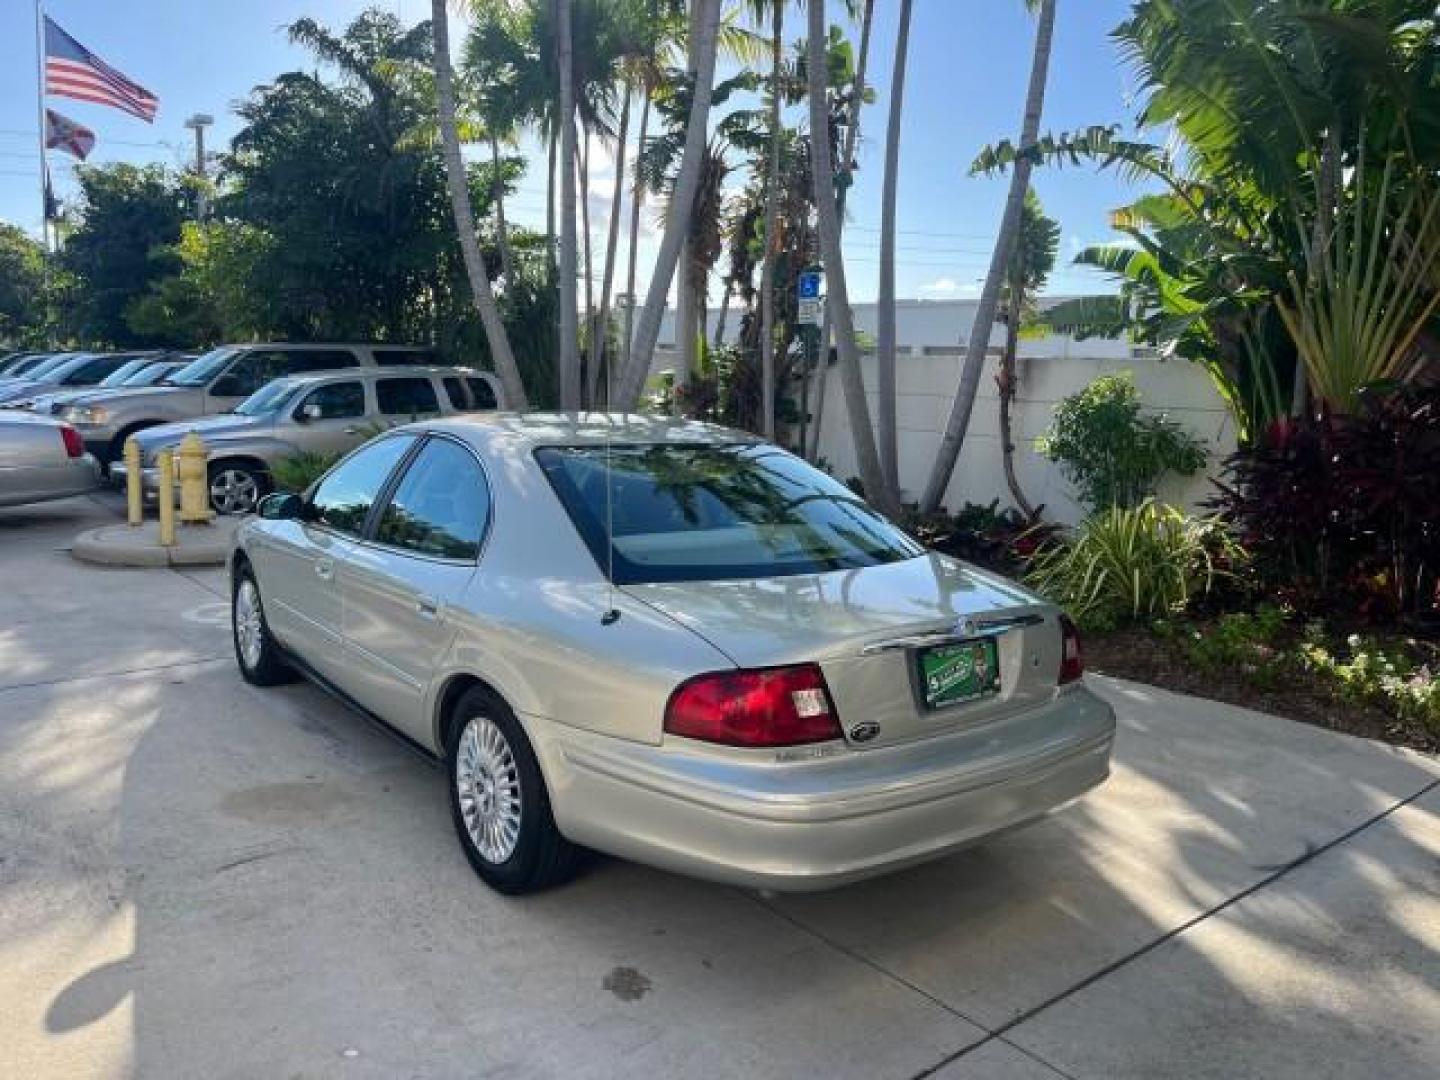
[{"x": 869, "y": 629}]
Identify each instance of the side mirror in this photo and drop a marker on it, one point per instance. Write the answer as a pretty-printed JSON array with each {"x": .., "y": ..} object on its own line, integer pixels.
[
  {"x": 281, "y": 506},
  {"x": 311, "y": 411}
]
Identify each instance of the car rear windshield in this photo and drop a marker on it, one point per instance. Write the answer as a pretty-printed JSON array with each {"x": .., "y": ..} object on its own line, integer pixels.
[{"x": 706, "y": 513}]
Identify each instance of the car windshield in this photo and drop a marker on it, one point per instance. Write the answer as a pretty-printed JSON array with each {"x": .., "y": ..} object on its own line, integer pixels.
[
  {"x": 151, "y": 373},
  {"x": 268, "y": 399},
  {"x": 706, "y": 513},
  {"x": 120, "y": 375},
  {"x": 201, "y": 371},
  {"x": 41, "y": 371}
]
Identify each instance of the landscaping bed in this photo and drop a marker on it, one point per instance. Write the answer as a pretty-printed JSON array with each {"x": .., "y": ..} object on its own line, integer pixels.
[{"x": 1265, "y": 662}]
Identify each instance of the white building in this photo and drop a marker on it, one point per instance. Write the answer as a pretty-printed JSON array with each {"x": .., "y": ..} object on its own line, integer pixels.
[{"x": 929, "y": 334}]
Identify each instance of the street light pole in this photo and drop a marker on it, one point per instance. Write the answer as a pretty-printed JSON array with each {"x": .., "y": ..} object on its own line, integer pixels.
[{"x": 198, "y": 123}]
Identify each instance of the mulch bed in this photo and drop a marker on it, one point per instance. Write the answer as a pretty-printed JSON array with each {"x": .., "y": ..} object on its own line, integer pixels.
[{"x": 1137, "y": 654}]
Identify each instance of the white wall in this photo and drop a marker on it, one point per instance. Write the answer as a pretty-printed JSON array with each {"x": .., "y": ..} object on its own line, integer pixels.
[{"x": 929, "y": 333}]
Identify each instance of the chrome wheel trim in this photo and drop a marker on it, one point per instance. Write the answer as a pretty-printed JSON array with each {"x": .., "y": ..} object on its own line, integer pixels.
[
  {"x": 249, "y": 630},
  {"x": 234, "y": 491},
  {"x": 487, "y": 783}
]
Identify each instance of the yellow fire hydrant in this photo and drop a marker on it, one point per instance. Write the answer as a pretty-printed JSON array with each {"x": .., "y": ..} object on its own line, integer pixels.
[
  {"x": 134, "y": 492},
  {"x": 194, "y": 483}
]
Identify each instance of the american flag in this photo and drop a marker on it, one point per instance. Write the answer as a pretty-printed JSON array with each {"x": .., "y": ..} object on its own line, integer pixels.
[{"x": 71, "y": 70}]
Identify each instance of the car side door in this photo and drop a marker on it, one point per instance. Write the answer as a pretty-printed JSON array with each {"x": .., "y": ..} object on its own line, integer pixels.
[
  {"x": 299, "y": 568},
  {"x": 330, "y": 419},
  {"x": 400, "y": 587}
]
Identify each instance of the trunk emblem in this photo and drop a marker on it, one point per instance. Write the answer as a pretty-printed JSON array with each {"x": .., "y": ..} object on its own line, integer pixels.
[{"x": 864, "y": 732}]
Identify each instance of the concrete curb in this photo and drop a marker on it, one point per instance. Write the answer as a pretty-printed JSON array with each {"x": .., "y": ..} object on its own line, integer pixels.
[{"x": 121, "y": 545}]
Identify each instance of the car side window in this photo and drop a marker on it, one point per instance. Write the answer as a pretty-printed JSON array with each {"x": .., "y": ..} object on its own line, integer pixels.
[
  {"x": 468, "y": 395},
  {"x": 299, "y": 361},
  {"x": 334, "y": 401},
  {"x": 441, "y": 505},
  {"x": 411, "y": 396},
  {"x": 343, "y": 498},
  {"x": 250, "y": 372}
]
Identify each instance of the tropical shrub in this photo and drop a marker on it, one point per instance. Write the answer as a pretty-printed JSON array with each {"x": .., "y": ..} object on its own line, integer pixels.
[
  {"x": 299, "y": 471},
  {"x": 1250, "y": 644},
  {"x": 1110, "y": 451},
  {"x": 1344, "y": 512},
  {"x": 984, "y": 534},
  {"x": 1376, "y": 674},
  {"x": 1128, "y": 564}
]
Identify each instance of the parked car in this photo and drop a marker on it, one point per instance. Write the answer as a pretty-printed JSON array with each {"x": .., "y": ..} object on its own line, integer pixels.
[
  {"x": 16, "y": 364},
  {"x": 146, "y": 369},
  {"x": 80, "y": 370},
  {"x": 670, "y": 642},
  {"x": 41, "y": 460},
  {"x": 216, "y": 383},
  {"x": 321, "y": 414}
]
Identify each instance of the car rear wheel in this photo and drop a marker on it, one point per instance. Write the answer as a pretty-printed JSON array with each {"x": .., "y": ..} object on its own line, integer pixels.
[
  {"x": 498, "y": 799},
  {"x": 235, "y": 488},
  {"x": 260, "y": 659}
]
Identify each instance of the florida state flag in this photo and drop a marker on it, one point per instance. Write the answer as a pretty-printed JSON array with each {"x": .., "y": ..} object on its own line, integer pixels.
[{"x": 62, "y": 133}]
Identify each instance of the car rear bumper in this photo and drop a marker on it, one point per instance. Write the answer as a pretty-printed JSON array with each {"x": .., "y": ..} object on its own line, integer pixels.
[
  {"x": 813, "y": 824},
  {"x": 78, "y": 476}
]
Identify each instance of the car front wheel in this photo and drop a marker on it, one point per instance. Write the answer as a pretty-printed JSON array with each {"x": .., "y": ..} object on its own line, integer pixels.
[
  {"x": 235, "y": 488},
  {"x": 260, "y": 659},
  {"x": 498, "y": 799}
]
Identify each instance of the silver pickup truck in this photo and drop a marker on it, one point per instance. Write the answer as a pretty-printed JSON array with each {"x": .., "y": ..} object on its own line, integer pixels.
[
  {"x": 323, "y": 414},
  {"x": 216, "y": 383}
]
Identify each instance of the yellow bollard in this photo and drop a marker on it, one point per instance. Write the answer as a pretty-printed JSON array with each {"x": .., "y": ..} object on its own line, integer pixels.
[
  {"x": 134, "y": 490},
  {"x": 194, "y": 488},
  {"x": 167, "y": 498}
]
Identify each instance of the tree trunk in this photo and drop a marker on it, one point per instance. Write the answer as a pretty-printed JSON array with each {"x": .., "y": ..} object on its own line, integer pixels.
[
  {"x": 885, "y": 308},
  {"x": 724, "y": 314},
  {"x": 589, "y": 350},
  {"x": 499, "y": 342},
  {"x": 974, "y": 363},
  {"x": 550, "y": 197},
  {"x": 569, "y": 317},
  {"x": 857, "y": 408},
  {"x": 851, "y": 136},
  {"x": 502, "y": 231},
  {"x": 684, "y": 320},
  {"x": 637, "y": 198},
  {"x": 1005, "y": 383},
  {"x": 677, "y": 228},
  {"x": 772, "y": 201},
  {"x": 600, "y": 337}
]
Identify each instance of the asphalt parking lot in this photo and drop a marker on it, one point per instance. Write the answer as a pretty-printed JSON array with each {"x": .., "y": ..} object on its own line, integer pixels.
[{"x": 198, "y": 878}]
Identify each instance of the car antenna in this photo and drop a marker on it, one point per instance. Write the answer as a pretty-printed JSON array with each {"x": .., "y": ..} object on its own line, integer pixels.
[{"x": 612, "y": 613}]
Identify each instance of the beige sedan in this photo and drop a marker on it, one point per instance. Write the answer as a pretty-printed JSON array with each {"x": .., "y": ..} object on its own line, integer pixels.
[
  {"x": 670, "y": 642},
  {"x": 41, "y": 460}
]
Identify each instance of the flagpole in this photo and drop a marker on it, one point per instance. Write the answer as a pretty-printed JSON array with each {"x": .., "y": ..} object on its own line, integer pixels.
[{"x": 44, "y": 171}]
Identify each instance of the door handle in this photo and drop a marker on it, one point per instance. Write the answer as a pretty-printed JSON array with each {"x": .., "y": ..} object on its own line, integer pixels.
[
  {"x": 427, "y": 607},
  {"x": 324, "y": 569},
  {"x": 352, "y": 430}
]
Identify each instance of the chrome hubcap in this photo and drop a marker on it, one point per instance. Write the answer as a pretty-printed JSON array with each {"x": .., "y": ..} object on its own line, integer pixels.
[
  {"x": 488, "y": 784},
  {"x": 248, "y": 631},
  {"x": 234, "y": 491}
]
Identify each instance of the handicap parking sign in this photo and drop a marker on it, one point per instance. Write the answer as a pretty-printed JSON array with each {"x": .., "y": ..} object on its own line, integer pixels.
[{"x": 809, "y": 286}]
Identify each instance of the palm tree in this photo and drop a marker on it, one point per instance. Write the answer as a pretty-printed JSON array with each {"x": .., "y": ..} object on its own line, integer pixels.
[
  {"x": 885, "y": 309},
  {"x": 706, "y": 27},
  {"x": 964, "y": 403},
  {"x": 847, "y": 157},
  {"x": 772, "y": 201},
  {"x": 1030, "y": 264},
  {"x": 484, "y": 298},
  {"x": 838, "y": 294}
]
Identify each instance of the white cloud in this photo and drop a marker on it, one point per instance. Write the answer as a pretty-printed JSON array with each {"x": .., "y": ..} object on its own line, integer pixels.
[{"x": 941, "y": 287}]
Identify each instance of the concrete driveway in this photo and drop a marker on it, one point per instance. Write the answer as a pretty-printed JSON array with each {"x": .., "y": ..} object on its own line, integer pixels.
[{"x": 202, "y": 879}]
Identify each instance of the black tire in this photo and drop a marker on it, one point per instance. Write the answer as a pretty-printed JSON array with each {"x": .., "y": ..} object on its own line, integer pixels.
[
  {"x": 248, "y": 484},
  {"x": 266, "y": 666},
  {"x": 116, "y": 450},
  {"x": 540, "y": 857}
]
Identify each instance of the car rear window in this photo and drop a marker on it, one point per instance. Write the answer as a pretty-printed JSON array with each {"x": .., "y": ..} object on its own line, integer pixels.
[
  {"x": 705, "y": 513},
  {"x": 469, "y": 394}
]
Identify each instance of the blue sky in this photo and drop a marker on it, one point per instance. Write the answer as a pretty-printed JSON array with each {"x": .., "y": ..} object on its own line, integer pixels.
[{"x": 969, "y": 61}]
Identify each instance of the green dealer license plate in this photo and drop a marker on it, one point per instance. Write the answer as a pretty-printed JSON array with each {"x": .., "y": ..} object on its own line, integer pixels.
[{"x": 967, "y": 671}]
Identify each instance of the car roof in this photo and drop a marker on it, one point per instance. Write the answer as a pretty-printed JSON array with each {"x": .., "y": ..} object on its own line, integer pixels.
[
  {"x": 387, "y": 346},
  {"x": 526, "y": 430},
  {"x": 384, "y": 372}
]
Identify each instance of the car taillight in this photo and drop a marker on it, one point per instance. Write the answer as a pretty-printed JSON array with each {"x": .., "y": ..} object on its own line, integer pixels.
[
  {"x": 1072, "y": 663},
  {"x": 764, "y": 707},
  {"x": 74, "y": 445}
]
